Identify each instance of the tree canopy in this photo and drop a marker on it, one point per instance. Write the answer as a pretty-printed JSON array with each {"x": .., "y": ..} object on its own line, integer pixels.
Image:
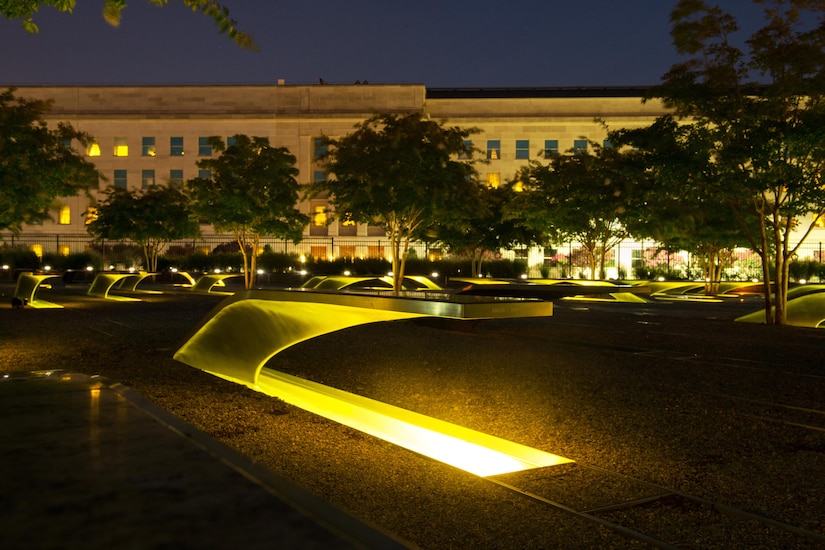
[
  {"x": 581, "y": 196},
  {"x": 251, "y": 192},
  {"x": 674, "y": 201},
  {"x": 37, "y": 164},
  {"x": 763, "y": 108},
  {"x": 150, "y": 217},
  {"x": 483, "y": 226},
  {"x": 25, "y": 10},
  {"x": 402, "y": 172}
]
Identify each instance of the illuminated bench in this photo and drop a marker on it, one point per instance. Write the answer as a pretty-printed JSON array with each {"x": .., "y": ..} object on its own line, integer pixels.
[
  {"x": 105, "y": 281},
  {"x": 250, "y": 327},
  {"x": 26, "y": 290},
  {"x": 207, "y": 282},
  {"x": 349, "y": 282},
  {"x": 247, "y": 329}
]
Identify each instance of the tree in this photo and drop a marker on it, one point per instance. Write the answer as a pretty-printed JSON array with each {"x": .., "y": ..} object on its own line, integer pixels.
[
  {"x": 672, "y": 203},
  {"x": 24, "y": 10},
  {"x": 152, "y": 218},
  {"x": 37, "y": 164},
  {"x": 764, "y": 108},
  {"x": 484, "y": 227},
  {"x": 402, "y": 172},
  {"x": 580, "y": 197},
  {"x": 251, "y": 192}
]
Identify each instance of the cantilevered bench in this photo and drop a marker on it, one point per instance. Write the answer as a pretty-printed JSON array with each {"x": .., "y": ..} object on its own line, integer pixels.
[
  {"x": 105, "y": 281},
  {"x": 250, "y": 327},
  {"x": 27, "y": 287},
  {"x": 209, "y": 281}
]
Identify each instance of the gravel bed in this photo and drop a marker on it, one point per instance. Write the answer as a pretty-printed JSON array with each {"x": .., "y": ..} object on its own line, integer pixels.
[{"x": 676, "y": 395}]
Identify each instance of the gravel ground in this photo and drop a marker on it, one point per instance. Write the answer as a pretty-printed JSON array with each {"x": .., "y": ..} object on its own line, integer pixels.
[{"x": 671, "y": 394}]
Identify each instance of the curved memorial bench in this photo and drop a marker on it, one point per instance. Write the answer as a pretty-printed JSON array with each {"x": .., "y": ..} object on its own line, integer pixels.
[
  {"x": 209, "y": 281},
  {"x": 27, "y": 287},
  {"x": 105, "y": 281},
  {"x": 347, "y": 282},
  {"x": 806, "y": 308},
  {"x": 247, "y": 329},
  {"x": 267, "y": 322}
]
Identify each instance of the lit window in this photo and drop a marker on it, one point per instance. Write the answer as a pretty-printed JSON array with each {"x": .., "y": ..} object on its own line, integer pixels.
[
  {"x": 579, "y": 146},
  {"x": 37, "y": 249},
  {"x": 346, "y": 251},
  {"x": 175, "y": 177},
  {"x": 93, "y": 150},
  {"x": 121, "y": 147},
  {"x": 204, "y": 149},
  {"x": 493, "y": 180},
  {"x": 551, "y": 147},
  {"x": 120, "y": 179},
  {"x": 522, "y": 148},
  {"x": 320, "y": 217},
  {"x": 147, "y": 178},
  {"x": 820, "y": 222},
  {"x": 318, "y": 252},
  {"x": 65, "y": 215},
  {"x": 91, "y": 215},
  {"x": 147, "y": 148},
  {"x": 176, "y": 147},
  {"x": 518, "y": 186},
  {"x": 493, "y": 149},
  {"x": 63, "y": 250}
]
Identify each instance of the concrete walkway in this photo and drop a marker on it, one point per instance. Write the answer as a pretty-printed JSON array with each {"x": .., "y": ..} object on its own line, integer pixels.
[{"x": 90, "y": 464}]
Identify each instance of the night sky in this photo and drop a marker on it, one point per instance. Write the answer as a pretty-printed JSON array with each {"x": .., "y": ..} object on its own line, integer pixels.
[{"x": 439, "y": 43}]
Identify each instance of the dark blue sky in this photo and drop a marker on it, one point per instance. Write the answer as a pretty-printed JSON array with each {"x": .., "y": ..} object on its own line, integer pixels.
[{"x": 440, "y": 43}]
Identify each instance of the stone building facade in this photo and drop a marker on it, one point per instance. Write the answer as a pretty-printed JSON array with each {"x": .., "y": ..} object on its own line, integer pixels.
[{"x": 147, "y": 135}]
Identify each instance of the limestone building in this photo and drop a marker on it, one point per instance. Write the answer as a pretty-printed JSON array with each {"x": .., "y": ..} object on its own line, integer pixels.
[{"x": 148, "y": 135}]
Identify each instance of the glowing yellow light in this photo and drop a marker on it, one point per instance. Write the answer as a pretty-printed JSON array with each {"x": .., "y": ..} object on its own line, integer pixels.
[
  {"x": 469, "y": 450},
  {"x": 93, "y": 150},
  {"x": 65, "y": 215}
]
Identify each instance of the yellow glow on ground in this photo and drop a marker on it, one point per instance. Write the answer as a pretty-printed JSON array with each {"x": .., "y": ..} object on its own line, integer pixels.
[{"x": 469, "y": 450}]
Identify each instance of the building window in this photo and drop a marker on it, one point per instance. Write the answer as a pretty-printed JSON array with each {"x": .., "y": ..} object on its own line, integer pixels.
[
  {"x": 551, "y": 147},
  {"x": 176, "y": 147},
  {"x": 607, "y": 144},
  {"x": 493, "y": 149},
  {"x": 319, "y": 148},
  {"x": 205, "y": 174},
  {"x": 121, "y": 147},
  {"x": 522, "y": 148},
  {"x": 175, "y": 177},
  {"x": 65, "y": 215},
  {"x": 120, "y": 179},
  {"x": 230, "y": 141},
  {"x": 204, "y": 149},
  {"x": 318, "y": 252},
  {"x": 147, "y": 178},
  {"x": 468, "y": 147},
  {"x": 493, "y": 180},
  {"x": 147, "y": 147},
  {"x": 64, "y": 250},
  {"x": 93, "y": 149},
  {"x": 346, "y": 251},
  {"x": 67, "y": 143},
  {"x": 579, "y": 146}
]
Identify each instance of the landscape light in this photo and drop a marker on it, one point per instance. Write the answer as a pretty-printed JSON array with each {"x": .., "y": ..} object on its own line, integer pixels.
[{"x": 472, "y": 451}]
